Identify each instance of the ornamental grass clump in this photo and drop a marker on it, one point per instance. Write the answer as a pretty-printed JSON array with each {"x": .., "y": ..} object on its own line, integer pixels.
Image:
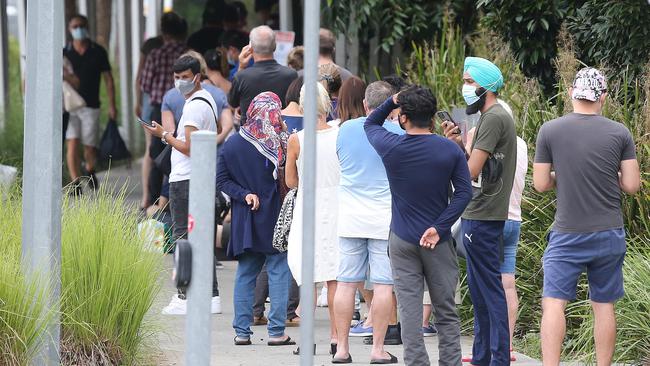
[
  {"x": 109, "y": 280},
  {"x": 22, "y": 301}
]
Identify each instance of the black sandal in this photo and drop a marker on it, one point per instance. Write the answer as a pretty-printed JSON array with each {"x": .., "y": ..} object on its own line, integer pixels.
[
  {"x": 342, "y": 360},
  {"x": 333, "y": 349},
  {"x": 242, "y": 341},
  {"x": 286, "y": 342},
  {"x": 384, "y": 361}
]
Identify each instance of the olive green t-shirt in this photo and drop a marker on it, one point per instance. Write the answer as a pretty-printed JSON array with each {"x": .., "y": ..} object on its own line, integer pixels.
[{"x": 495, "y": 134}]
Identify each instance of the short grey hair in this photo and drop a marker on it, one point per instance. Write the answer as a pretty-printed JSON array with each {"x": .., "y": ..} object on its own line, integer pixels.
[
  {"x": 377, "y": 93},
  {"x": 263, "y": 40}
]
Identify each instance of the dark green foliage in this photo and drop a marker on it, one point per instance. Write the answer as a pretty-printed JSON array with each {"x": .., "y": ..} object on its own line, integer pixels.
[
  {"x": 398, "y": 21},
  {"x": 614, "y": 33},
  {"x": 531, "y": 28}
]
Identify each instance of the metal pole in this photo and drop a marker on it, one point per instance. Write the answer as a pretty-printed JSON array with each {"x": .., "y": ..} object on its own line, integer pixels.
[
  {"x": 4, "y": 91},
  {"x": 286, "y": 16},
  {"x": 168, "y": 5},
  {"x": 311, "y": 40},
  {"x": 41, "y": 227},
  {"x": 22, "y": 11},
  {"x": 341, "y": 42},
  {"x": 126, "y": 81},
  {"x": 83, "y": 7},
  {"x": 201, "y": 238},
  {"x": 136, "y": 43},
  {"x": 153, "y": 15}
]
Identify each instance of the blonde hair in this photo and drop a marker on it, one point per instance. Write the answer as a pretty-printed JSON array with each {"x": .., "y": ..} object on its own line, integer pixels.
[
  {"x": 197, "y": 56},
  {"x": 330, "y": 76},
  {"x": 323, "y": 103}
]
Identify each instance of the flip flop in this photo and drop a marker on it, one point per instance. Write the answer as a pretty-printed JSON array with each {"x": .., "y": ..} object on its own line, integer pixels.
[
  {"x": 384, "y": 361},
  {"x": 286, "y": 342},
  {"x": 242, "y": 341},
  {"x": 342, "y": 360}
]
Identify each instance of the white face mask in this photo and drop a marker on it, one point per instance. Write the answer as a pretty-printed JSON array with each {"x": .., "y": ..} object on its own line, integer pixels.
[
  {"x": 79, "y": 33},
  {"x": 184, "y": 86},
  {"x": 469, "y": 94}
]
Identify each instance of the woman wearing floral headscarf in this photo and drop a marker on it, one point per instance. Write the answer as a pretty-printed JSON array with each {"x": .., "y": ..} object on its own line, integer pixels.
[{"x": 247, "y": 171}]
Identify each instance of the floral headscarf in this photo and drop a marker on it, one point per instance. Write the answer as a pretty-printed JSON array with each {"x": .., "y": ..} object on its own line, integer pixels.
[{"x": 264, "y": 129}]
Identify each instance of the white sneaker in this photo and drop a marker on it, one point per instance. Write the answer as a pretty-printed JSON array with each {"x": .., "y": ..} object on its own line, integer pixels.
[
  {"x": 177, "y": 306},
  {"x": 216, "y": 305},
  {"x": 322, "y": 299}
]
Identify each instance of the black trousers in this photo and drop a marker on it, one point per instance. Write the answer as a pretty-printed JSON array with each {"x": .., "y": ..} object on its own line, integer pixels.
[{"x": 155, "y": 175}]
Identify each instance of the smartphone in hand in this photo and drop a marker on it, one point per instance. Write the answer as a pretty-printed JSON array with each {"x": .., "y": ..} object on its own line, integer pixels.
[
  {"x": 445, "y": 116},
  {"x": 144, "y": 123}
]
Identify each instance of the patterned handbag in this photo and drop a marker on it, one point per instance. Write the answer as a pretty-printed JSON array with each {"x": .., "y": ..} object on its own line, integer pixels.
[{"x": 283, "y": 225}]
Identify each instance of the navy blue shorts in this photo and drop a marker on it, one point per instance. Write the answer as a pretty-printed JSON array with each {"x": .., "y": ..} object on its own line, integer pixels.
[{"x": 600, "y": 254}]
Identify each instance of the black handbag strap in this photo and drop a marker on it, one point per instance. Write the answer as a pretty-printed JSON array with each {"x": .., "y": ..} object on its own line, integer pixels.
[{"x": 210, "y": 105}]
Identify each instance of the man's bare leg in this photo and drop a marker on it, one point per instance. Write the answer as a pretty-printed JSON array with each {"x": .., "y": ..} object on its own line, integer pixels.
[
  {"x": 553, "y": 330},
  {"x": 604, "y": 332},
  {"x": 72, "y": 158},
  {"x": 344, "y": 308},
  {"x": 382, "y": 307}
]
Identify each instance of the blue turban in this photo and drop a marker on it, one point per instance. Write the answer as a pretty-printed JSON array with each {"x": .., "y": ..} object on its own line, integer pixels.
[{"x": 484, "y": 72}]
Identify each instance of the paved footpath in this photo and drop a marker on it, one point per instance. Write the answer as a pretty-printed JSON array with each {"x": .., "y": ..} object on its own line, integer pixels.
[{"x": 171, "y": 343}]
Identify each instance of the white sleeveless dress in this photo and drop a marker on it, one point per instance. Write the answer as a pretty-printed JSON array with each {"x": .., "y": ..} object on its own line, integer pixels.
[{"x": 326, "y": 245}]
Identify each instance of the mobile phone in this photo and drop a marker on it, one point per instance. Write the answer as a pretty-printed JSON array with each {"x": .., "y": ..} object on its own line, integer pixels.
[
  {"x": 143, "y": 122},
  {"x": 445, "y": 116}
]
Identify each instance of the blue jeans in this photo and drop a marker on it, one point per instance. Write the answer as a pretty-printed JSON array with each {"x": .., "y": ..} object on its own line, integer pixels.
[
  {"x": 511, "y": 234},
  {"x": 250, "y": 265},
  {"x": 482, "y": 240}
]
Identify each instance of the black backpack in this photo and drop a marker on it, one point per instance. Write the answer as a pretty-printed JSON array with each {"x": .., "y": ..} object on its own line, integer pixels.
[{"x": 112, "y": 146}]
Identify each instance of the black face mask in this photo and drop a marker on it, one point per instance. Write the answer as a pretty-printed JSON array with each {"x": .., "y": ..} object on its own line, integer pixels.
[
  {"x": 476, "y": 107},
  {"x": 399, "y": 121}
]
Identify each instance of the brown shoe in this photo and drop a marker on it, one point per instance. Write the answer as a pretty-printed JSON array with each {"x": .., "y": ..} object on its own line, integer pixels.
[
  {"x": 293, "y": 322},
  {"x": 260, "y": 320}
]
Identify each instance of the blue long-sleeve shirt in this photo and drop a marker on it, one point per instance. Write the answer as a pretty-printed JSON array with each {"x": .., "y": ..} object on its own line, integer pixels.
[
  {"x": 242, "y": 170},
  {"x": 419, "y": 169}
]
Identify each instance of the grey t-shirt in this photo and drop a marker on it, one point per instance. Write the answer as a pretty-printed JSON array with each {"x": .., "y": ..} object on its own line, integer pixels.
[
  {"x": 495, "y": 134},
  {"x": 586, "y": 152}
]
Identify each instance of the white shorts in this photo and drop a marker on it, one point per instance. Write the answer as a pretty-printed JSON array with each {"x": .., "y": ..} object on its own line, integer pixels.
[{"x": 84, "y": 125}]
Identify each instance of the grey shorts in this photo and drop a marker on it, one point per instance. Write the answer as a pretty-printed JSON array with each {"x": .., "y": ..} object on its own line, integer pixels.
[{"x": 84, "y": 125}]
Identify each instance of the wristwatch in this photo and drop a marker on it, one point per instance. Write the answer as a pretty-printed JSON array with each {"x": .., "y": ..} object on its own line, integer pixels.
[{"x": 162, "y": 138}]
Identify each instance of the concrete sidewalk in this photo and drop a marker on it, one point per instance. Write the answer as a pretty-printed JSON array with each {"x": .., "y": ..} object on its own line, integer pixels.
[{"x": 224, "y": 352}]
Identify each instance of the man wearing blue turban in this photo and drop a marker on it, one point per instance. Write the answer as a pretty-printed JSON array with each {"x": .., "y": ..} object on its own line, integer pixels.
[{"x": 492, "y": 162}]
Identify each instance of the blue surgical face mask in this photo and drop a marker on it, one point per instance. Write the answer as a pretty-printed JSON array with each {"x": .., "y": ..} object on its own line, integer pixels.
[
  {"x": 469, "y": 94},
  {"x": 231, "y": 61},
  {"x": 79, "y": 33},
  {"x": 184, "y": 86}
]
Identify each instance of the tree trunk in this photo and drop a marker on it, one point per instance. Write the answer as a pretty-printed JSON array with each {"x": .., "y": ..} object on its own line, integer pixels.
[{"x": 103, "y": 12}]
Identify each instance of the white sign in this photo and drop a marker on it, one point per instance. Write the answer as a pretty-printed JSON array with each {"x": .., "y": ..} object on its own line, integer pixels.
[{"x": 283, "y": 45}]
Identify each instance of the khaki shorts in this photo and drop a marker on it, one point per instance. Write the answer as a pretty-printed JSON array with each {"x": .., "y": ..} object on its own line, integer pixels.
[{"x": 84, "y": 125}]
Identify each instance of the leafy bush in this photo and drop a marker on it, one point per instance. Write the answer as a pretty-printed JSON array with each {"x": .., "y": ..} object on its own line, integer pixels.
[
  {"x": 109, "y": 280},
  {"x": 615, "y": 33}
]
